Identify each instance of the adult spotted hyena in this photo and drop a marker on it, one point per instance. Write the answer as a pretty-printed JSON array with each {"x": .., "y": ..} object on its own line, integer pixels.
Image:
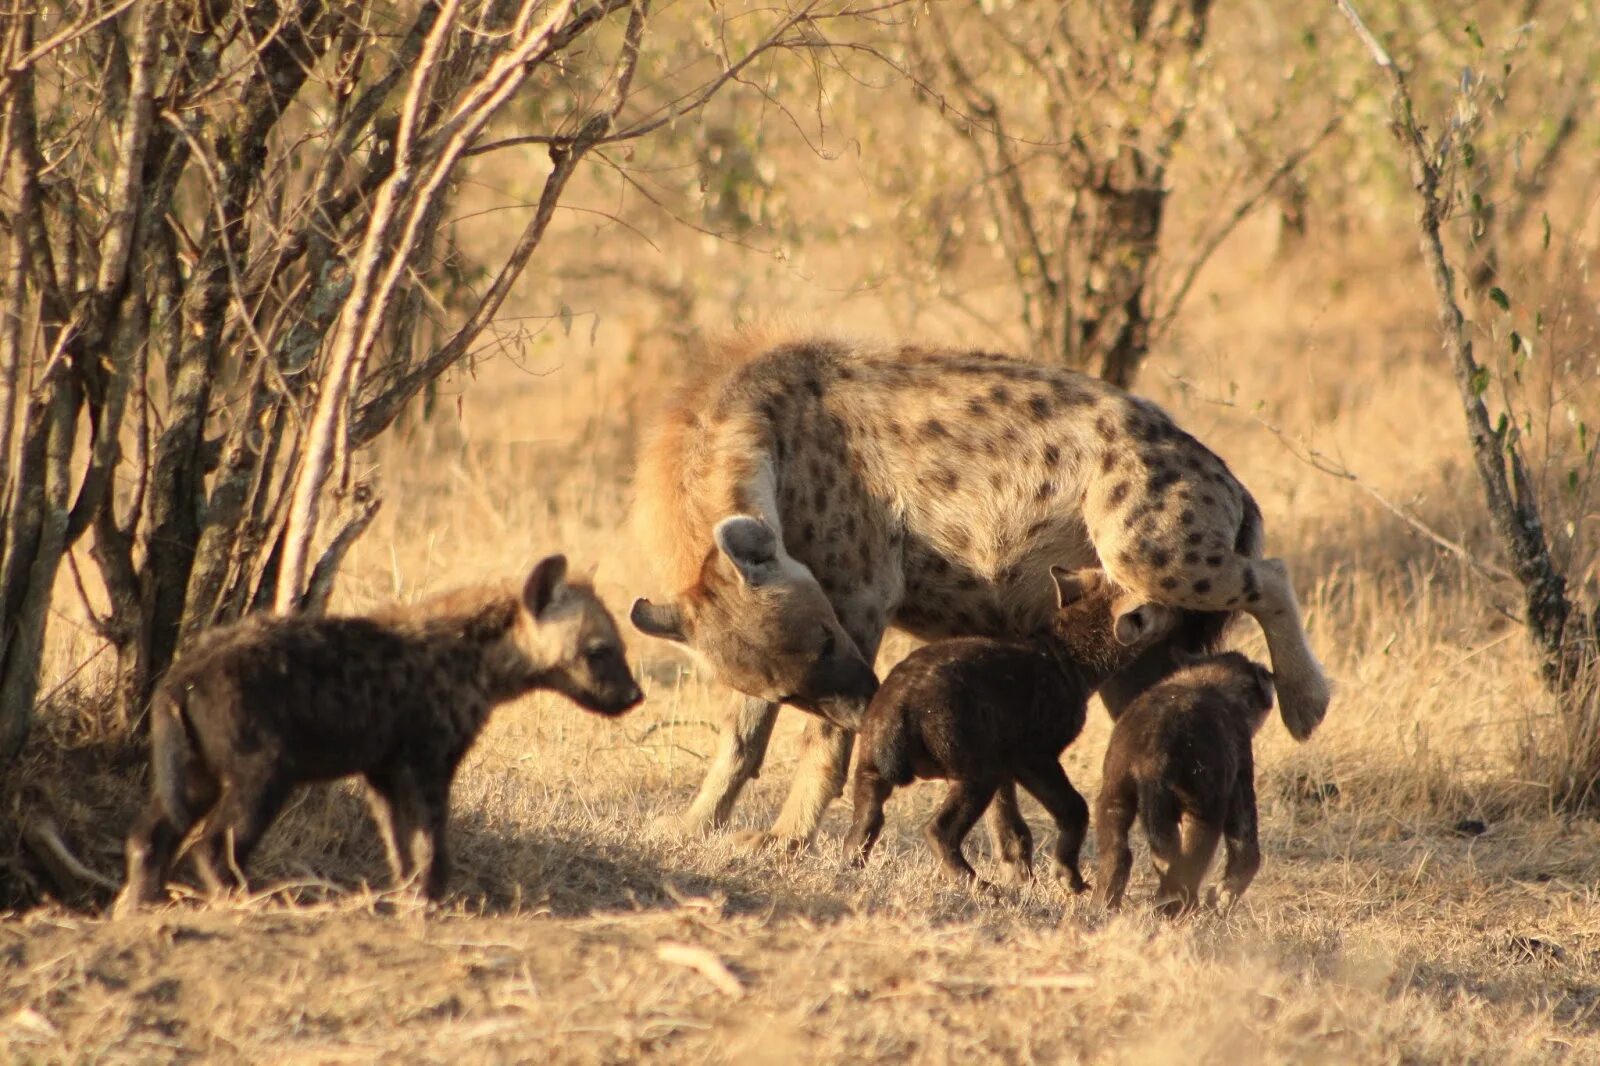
[
  {"x": 257, "y": 707},
  {"x": 803, "y": 496}
]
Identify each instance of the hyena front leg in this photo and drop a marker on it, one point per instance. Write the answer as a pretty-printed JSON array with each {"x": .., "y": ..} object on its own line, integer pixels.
[
  {"x": 741, "y": 747},
  {"x": 824, "y": 759},
  {"x": 818, "y": 781}
]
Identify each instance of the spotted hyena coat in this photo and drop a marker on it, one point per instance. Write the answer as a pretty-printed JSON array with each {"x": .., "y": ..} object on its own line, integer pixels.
[
  {"x": 398, "y": 697},
  {"x": 931, "y": 490}
]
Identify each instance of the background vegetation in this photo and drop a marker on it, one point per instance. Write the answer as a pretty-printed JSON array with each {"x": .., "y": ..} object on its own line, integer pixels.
[{"x": 1206, "y": 200}]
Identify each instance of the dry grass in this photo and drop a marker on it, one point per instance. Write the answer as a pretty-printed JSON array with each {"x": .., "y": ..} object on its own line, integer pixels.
[{"x": 1382, "y": 927}]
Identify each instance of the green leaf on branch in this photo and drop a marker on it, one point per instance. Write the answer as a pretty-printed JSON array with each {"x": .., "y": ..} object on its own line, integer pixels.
[
  {"x": 1480, "y": 381},
  {"x": 1473, "y": 35},
  {"x": 1500, "y": 299}
]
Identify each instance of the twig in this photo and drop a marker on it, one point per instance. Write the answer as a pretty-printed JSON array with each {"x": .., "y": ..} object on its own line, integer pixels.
[
  {"x": 320, "y": 587},
  {"x": 703, "y": 962},
  {"x": 1333, "y": 468},
  {"x": 44, "y": 842},
  {"x": 1241, "y": 211}
]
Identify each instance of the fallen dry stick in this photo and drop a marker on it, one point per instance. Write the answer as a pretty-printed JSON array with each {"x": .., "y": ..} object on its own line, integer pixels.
[
  {"x": 703, "y": 962},
  {"x": 69, "y": 873}
]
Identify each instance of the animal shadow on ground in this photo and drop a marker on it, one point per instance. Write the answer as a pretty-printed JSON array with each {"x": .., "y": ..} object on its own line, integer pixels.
[{"x": 325, "y": 846}]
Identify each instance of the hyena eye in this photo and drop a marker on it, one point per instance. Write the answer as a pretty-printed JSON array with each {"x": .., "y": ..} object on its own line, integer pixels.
[
  {"x": 597, "y": 655},
  {"x": 828, "y": 644}
]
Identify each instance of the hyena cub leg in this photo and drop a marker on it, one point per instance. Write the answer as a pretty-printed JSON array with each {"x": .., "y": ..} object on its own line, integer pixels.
[
  {"x": 151, "y": 845},
  {"x": 1240, "y": 834},
  {"x": 230, "y": 831},
  {"x": 963, "y": 806},
  {"x": 871, "y": 792},
  {"x": 1010, "y": 835},
  {"x": 411, "y": 816},
  {"x": 1115, "y": 811},
  {"x": 1179, "y": 890},
  {"x": 1049, "y": 785}
]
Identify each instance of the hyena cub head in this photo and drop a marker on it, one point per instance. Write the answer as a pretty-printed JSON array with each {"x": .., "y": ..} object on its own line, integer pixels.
[
  {"x": 1241, "y": 684},
  {"x": 565, "y": 639},
  {"x": 761, "y": 622},
  {"x": 1101, "y": 626}
]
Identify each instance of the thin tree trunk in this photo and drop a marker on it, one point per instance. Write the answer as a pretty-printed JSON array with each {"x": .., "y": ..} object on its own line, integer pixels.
[{"x": 1512, "y": 503}]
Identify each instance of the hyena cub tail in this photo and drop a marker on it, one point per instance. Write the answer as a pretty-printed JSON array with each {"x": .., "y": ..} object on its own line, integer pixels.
[
  {"x": 890, "y": 750},
  {"x": 174, "y": 756}
]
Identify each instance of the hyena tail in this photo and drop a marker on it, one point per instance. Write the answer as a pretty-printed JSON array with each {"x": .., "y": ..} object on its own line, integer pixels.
[
  {"x": 174, "y": 756},
  {"x": 891, "y": 751},
  {"x": 1251, "y": 538},
  {"x": 1159, "y": 815},
  {"x": 1197, "y": 632}
]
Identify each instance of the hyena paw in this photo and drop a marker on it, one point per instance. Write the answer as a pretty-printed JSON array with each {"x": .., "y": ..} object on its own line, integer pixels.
[
  {"x": 1073, "y": 878},
  {"x": 987, "y": 891},
  {"x": 1015, "y": 872},
  {"x": 679, "y": 825},
  {"x": 1303, "y": 702},
  {"x": 1222, "y": 900},
  {"x": 755, "y": 841}
]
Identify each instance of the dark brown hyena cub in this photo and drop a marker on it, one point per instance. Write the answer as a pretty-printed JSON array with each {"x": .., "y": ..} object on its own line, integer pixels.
[
  {"x": 988, "y": 715},
  {"x": 1181, "y": 753},
  {"x": 256, "y": 708}
]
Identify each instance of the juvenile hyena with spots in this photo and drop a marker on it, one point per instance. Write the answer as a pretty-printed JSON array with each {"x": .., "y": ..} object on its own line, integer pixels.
[
  {"x": 804, "y": 496},
  {"x": 258, "y": 707},
  {"x": 987, "y": 715}
]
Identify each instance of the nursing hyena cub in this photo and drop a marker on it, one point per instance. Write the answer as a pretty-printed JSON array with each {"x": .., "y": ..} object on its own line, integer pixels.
[
  {"x": 987, "y": 715},
  {"x": 1181, "y": 754},
  {"x": 257, "y": 707}
]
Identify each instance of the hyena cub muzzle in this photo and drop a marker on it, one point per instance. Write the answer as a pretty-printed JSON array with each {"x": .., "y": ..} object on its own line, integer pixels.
[
  {"x": 988, "y": 715},
  {"x": 258, "y": 707},
  {"x": 1180, "y": 761}
]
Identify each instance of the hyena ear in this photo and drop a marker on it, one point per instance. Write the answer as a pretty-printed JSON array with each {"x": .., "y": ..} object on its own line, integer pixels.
[
  {"x": 543, "y": 583},
  {"x": 1144, "y": 622},
  {"x": 751, "y": 546},
  {"x": 659, "y": 620},
  {"x": 1072, "y": 585}
]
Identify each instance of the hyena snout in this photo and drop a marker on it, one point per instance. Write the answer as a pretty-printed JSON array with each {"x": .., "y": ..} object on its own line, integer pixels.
[
  {"x": 838, "y": 688},
  {"x": 602, "y": 682}
]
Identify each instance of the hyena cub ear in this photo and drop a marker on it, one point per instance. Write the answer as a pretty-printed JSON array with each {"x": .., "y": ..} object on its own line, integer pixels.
[
  {"x": 663, "y": 620},
  {"x": 751, "y": 546},
  {"x": 543, "y": 584},
  {"x": 1073, "y": 585},
  {"x": 1267, "y": 685}
]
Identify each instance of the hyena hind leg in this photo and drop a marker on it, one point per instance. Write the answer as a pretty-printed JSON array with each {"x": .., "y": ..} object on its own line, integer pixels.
[
  {"x": 1010, "y": 835},
  {"x": 1262, "y": 589},
  {"x": 871, "y": 792},
  {"x": 1115, "y": 811},
  {"x": 1179, "y": 891}
]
